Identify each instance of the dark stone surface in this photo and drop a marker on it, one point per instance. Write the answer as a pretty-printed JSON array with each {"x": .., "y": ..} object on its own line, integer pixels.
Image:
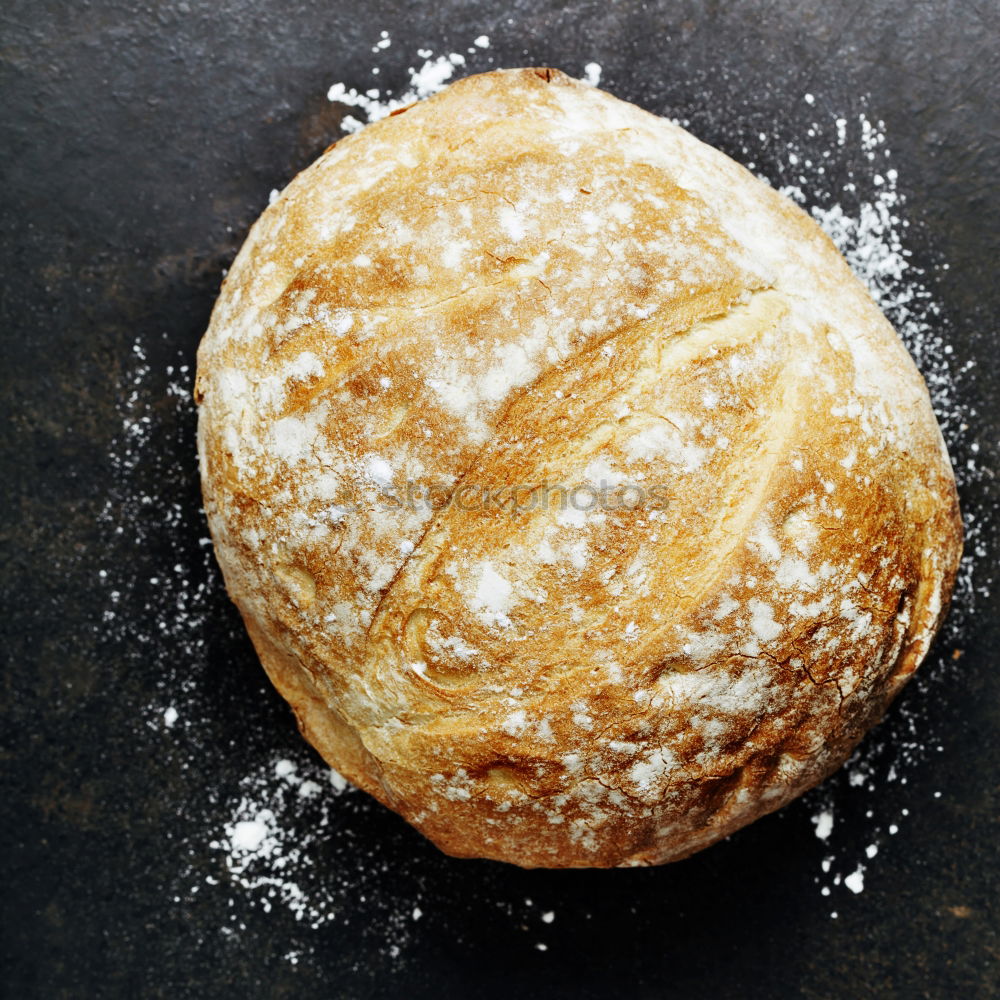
[{"x": 139, "y": 141}]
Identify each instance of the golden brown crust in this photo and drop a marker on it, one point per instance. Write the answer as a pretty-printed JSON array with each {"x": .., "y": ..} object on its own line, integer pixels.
[{"x": 523, "y": 282}]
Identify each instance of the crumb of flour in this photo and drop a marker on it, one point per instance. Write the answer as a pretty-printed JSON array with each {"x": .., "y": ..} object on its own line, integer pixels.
[{"x": 282, "y": 837}]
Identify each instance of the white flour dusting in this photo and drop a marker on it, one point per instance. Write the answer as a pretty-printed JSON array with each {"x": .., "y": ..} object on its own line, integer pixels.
[
  {"x": 283, "y": 835},
  {"x": 264, "y": 855},
  {"x": 868, "y": 226},
  {"x": 432, "y": 76}
]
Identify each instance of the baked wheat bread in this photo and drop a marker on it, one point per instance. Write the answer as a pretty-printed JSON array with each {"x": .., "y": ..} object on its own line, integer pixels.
[{"x": 573, "y": 491}]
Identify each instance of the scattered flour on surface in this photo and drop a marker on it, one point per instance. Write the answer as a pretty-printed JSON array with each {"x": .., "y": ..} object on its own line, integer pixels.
[
  {"x": 270, "y": 858},
  {"x": 433, "y": 75},
  {"x": 865, "y": 218}
]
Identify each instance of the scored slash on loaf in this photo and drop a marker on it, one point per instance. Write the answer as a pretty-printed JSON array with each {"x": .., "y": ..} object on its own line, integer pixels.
[{"x": 519, "y": 288}]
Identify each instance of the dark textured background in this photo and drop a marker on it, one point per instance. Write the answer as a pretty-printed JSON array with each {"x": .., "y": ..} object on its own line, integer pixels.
[{"x": 139, "y": 141}]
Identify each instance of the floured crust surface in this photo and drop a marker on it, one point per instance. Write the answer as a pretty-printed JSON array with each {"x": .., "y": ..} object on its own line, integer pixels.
[{"x": 525, "y": 284}]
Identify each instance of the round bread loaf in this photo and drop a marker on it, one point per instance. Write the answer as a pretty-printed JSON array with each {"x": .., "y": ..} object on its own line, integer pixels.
[{"x": 573, "y": 491}]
